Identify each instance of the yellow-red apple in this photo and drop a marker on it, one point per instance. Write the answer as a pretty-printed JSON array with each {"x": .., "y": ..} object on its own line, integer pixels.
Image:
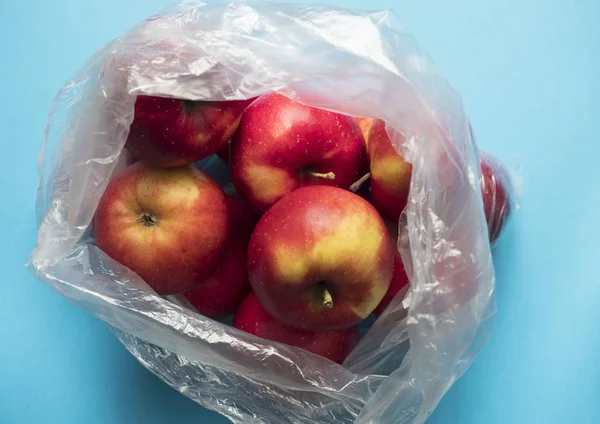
[
  {"x": 252, "y": 318},
  {"x": 365, "y": 126},
  {"x": 390, "y": 174},
  {"x": 282, "y": 145},
  {"x": 168, "y": 225},
  {"x": 224, "y": 290},
  {"x": 173, "y": 132},
  {"x": 320, "y": 259}
]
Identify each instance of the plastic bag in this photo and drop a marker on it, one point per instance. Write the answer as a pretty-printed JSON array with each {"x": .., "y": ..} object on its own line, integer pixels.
[{"x": 357, "y": 63}]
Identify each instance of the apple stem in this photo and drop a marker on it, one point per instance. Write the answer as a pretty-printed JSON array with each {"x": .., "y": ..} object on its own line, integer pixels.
[
  {"x": 327, "y": 176},
  {"x": 147, "y": 219},
  {"x": 327, "y": 299},
  {"x": 356, "y": 184}
]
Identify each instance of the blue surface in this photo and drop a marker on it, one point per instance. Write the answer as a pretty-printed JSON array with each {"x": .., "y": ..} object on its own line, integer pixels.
[{"x": 529, "y": 77}]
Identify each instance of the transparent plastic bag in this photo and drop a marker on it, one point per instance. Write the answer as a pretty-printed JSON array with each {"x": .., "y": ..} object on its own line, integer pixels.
[{"x": 357, "y": 63}]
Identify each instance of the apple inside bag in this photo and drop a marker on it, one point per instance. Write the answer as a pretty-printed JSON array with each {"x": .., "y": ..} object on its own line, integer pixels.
[{"x": 199, "y": 58}]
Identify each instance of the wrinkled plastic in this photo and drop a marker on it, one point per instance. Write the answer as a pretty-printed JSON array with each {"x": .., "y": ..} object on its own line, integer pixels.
[{"x": 358, "y": 63}]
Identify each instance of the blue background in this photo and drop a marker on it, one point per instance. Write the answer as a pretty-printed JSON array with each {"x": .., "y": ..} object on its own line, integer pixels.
[{"x": 528, "y": 72}]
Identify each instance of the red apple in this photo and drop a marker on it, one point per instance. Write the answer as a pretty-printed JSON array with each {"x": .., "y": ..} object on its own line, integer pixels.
[
  {"x": 254, "y": 319},
  {"x": 496, "y": 197},
  {"x": 399, "y": 278},
  {"x": 390, "y": 174},
  {"x": 168, "y": 225},
  {"x": 399, "y": 282},
  {"x": 320, "y": 259},
  {"x": 282, "y": 145},
  {"x": 222, "y": 292},
  {"x": 174, "y": 132}
]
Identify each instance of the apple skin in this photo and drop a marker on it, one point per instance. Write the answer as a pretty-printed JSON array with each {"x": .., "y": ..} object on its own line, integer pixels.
[
  {"x": 224, "y": 290},
  {"x": 390, "y": 174},
  {"x": 399, "y": 281},
  {"x": 365, "y": 126},
  {"x": 173, "y": 132},
  {"x": 496, "y": 196},
  {"x": 400, "y": 277},
  {"x": 252, "y": 318},
  {"x": 280, "y": 144},
  {"x": 319, "y": 241},
  {"x": 168, "y": 225},
  {"x": 224, "y": 153}
]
